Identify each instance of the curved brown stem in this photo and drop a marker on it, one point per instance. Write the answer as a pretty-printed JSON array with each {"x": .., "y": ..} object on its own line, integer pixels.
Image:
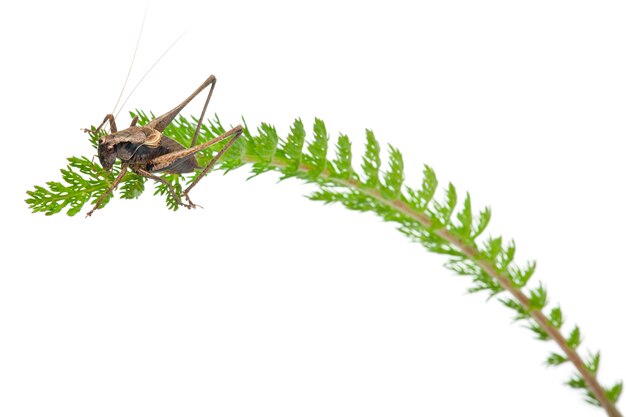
[{"x": 488, "y": 267}]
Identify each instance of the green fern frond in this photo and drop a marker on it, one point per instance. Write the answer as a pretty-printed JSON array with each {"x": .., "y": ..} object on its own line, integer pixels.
[
  {"x": 394, "y": 176},
  {"x": 420, "y": 199},
  {"x": 343, "y": 162},
  {"x": 371, "y": 161},
  {"x": 317, "y": 150},
  {"x": 292, "y": 149},
  {"x": 437, "y": 223},
  {"x": 556, "y": 317}
]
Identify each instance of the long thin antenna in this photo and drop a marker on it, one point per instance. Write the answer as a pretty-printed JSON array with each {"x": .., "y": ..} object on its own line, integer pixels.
[
  {"x": 148, "y": 72},
  {"x": 132, "y": 62}
]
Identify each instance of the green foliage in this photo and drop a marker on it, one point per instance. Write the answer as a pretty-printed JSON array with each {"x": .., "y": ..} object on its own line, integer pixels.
[
  {"x": 394, "y": 177},
  {"x": 264, "y": 148},
  {"x": 540, "y": 332},
  {"x": 482, "y": 222},
  {"x": 343, "y": 160},
  {"x": 556, "y": 317},
  {"x": 556, "y": 359},
  {"x": 163, "y": 190},
  {"x": 576, "y": 381},
  {"x": 371, "y": 161},
  {"x": 420, "y": 199},
  {"x": 292, "y": 149},
  {"x": 82, "y": 181},
  {"x": 593, "y": 363},
  {"x": 573, "y": 340},
  {"x": 521, "y": 312},
  {"x": 133, "y": 186},
  {"x": 465, "y": 218},
  {"x": 614, "y": 392},
  {"x": 538, "y": 298},
  {"x": 492, "y": 249},
  {"x": 316, "y": 157},
  {"x": 434, "y": 221},
  {"x": 441, "y": 212},
  {"x": 521, "y": 276}
]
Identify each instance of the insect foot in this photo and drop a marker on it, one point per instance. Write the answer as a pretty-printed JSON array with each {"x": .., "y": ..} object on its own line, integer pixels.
[{"x": 189, "y": 203}]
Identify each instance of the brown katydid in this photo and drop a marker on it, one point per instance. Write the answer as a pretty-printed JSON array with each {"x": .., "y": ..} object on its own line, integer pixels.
[{"x": 146, "y": 151}]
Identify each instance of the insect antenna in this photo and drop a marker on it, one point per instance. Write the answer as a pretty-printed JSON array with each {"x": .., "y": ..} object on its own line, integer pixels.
[
  {"x": 148, "y": 72},
  {"x": 132, "y": 62}
]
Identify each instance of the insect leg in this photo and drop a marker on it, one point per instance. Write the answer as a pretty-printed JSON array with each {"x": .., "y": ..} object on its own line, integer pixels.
[
  {"x": 110, "y": 190},
  {"x": 164, "y": 161},
  {"x": 111, "y": 119},
  {"x": 236, "y": 132},
  {"x": 171, "y": 189},
  {"x": 161, "y": 122},
  {"x": 161, "y": 163}
]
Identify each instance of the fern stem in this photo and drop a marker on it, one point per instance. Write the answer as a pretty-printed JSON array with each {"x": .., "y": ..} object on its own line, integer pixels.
[
  {"x": 489, "y": 268},
  {"x": 433, "y": 223},
  {"x": 554, "y": 333}
]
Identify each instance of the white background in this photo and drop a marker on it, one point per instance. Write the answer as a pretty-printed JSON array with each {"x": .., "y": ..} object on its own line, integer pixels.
[{"x": 266, "y": 304}]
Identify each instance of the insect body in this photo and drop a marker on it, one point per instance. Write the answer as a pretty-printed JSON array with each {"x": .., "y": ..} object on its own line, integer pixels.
[
  {"x": 146, "y": 151},
  {"x": 138, "y": 146}
]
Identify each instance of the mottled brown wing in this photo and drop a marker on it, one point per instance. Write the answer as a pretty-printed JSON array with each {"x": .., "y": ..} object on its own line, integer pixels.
[{"x": 134, "y": 134}]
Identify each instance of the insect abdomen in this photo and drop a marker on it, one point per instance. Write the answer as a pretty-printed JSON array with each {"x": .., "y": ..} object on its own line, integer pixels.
[{"x": 167, "y": 145}]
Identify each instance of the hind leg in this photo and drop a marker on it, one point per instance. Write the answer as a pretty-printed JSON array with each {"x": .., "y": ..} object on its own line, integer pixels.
[{"x": 170, "y": 187}]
